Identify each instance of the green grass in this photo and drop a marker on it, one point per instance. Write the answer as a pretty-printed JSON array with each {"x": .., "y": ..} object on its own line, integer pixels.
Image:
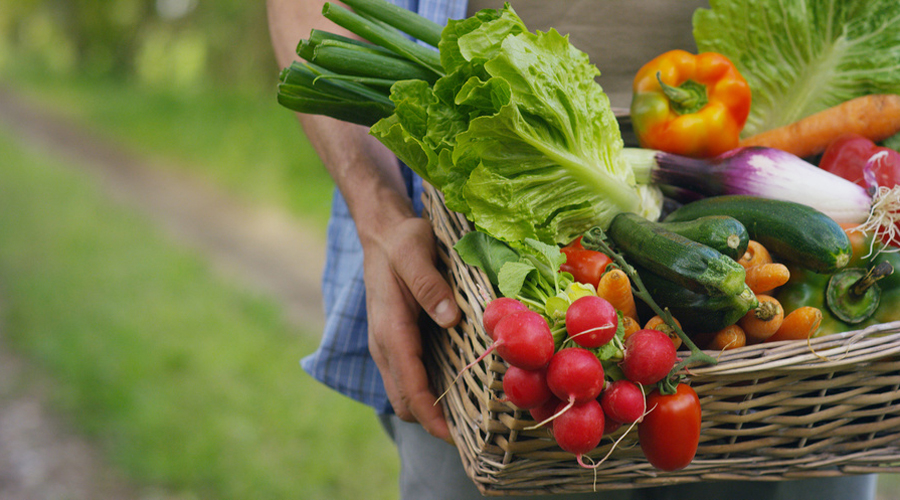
[
  {"x": 242, "y": 141},
  {"x": 187, "y": 382}
]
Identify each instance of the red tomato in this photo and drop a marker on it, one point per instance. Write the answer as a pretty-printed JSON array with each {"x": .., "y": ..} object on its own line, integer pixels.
[
  {"x": 670, "y": 432},
  {"x": 586, "y": 266},
  {"x": 847, "y": 156}
]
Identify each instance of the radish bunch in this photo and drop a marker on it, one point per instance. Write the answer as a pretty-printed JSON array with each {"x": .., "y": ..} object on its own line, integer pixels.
[{"x": 565, "y": 387}]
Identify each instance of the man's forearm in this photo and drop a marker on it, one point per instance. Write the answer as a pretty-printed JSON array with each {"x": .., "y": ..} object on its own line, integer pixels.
[{"x": 366, "y": 172}]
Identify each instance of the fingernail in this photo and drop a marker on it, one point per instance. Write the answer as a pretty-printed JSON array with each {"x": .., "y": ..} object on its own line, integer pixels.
[{"x": 444, "y": 313}]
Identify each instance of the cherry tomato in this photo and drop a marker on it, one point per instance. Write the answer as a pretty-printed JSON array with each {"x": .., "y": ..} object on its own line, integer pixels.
[
  {"x": 848, "y": 155},
  {"x": 586, "y": 266},
  {"x": 670, "y": 432}
]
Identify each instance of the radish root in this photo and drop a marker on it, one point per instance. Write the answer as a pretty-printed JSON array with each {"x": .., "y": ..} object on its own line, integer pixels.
[
  {"x": 564, "y": 409},
  {"x": 464, "y": 369},
  {"x": 617, "y": 441},
  {"x": 602, "y": 327},
  {"x": 883, "y": 217}
]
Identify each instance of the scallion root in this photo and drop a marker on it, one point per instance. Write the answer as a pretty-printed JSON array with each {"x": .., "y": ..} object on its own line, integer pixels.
[{"x": 883, "y": 220}]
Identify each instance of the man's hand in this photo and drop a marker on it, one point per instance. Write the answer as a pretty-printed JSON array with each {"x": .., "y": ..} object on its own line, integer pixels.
[
  {"x": 400, "y": 273},
  {"x": 401, "y": 281}
]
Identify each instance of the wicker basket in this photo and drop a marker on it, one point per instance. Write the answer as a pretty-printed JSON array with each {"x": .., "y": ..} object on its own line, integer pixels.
[{"x": 776, "y": 411}]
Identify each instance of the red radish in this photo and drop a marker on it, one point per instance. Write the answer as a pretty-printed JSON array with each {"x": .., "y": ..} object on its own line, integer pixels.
[
  {"x": 497, "y": 309},
  {"x": 591, "y": 321},
  {"x": 579, "y": 429},
  {"x": 526, "y": 389},
  {"x": 575, "y": 375},
  {"x": 545, "y": 411},
  {"x": 523, "y": 339},
  {"x": 623, "y": 402},
  {"x": 649, "y": 356},
  {"x": 609, "y": 425}
]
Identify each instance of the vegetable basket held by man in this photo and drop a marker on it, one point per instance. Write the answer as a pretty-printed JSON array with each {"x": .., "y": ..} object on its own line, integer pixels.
[{"x": 710, "y": 305}]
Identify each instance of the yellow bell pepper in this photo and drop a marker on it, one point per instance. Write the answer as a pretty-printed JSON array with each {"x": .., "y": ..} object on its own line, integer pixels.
[{"x": 690, "y": 105}]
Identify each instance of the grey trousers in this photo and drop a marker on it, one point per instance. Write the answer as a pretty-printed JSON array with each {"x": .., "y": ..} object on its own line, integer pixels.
[{"x": 431, "y": 469}]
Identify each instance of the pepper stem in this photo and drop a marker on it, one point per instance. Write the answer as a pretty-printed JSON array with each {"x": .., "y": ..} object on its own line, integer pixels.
[
  {"x": 685, "y": 99},
  {"x": 874, "y": 274}
]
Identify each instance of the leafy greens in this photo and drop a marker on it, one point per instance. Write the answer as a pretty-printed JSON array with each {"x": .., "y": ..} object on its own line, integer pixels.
[
  {"x": 803, "y": 56},
  {"x": 518, "y": 135}
]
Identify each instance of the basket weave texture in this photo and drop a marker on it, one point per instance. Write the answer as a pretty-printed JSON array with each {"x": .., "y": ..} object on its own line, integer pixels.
[{"x": 783, "y": 410}]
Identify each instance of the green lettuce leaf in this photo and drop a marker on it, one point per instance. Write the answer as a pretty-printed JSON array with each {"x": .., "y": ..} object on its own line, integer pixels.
[
  {"x": 518, "y": 135},
  {"x": 803, "y": 56},
  {"x": 490, "y": 254}
]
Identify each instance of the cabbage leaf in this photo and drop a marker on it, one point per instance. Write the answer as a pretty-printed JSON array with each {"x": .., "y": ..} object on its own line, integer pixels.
[
  {"x": 518, "y": 135},
  {"x": 803, "y": 56}
]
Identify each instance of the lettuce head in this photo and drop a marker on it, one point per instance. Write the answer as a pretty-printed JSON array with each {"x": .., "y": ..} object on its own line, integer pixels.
[{"x": 518, "y": 136}]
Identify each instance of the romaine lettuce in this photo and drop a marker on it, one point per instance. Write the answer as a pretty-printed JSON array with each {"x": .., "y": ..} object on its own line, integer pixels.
[
  {"x": 518, "y": 135},
  {"x": 802, "y": 56}
]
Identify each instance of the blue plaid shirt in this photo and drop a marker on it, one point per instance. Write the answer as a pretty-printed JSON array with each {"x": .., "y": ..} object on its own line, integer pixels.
[{"x": 342, "y": 360}]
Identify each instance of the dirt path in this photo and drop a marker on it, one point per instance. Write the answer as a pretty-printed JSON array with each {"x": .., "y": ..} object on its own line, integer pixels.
[
  {"x": 263, "y": 247},
  {"x": 41, "y": 458}
]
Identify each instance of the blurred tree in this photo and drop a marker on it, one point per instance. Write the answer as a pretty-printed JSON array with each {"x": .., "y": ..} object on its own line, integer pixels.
[{"x": 160, "y": 42}]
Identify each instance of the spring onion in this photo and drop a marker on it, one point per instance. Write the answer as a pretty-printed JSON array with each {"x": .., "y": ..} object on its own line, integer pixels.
[{"x": 769, "y": 173}]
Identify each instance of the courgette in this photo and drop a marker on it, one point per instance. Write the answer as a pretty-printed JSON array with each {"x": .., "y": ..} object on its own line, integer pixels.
[
  {"x": 791, "y": 231},
  {"x": 681, "y": 260},
  {"x": 721, "y": 232},
  {"x": 697, "y": 312}
]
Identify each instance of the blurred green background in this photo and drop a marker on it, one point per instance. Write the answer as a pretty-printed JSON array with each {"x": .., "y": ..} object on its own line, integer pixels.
[{"x": 187, "y": 382}]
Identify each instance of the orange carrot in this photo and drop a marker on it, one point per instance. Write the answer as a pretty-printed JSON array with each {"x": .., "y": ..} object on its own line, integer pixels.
[
  {"x": 657, "y": 323},
  {"x": 615, "y": 287},
  {"x": 859, "y": 243},
  {"x": 763, "y": 278},
  {"x": 630, "y": 325},
  {"x": 875, "y": 116},
  {"x": 799, "y": 324},
  {"x": 763, "y": 321},
  {"x": 730, "y": 337},
  {"x": 756, "y": 254}
]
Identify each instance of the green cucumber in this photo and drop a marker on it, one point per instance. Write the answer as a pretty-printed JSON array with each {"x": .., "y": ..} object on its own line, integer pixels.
[
  {"x": 721, "y": 232},
  {"x": 791, "y": 231},
  {"x": 697, "y": 312},
  {"x": 681, "y": 260}
]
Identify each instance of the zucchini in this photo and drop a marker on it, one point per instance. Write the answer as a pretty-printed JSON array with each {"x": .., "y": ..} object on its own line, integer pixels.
[
  {"x": 688, "y": 263},
  {"x": 697, "y": 312},
  {"x": 721, "y": 232},
  {"x": 791, "y": 231}
]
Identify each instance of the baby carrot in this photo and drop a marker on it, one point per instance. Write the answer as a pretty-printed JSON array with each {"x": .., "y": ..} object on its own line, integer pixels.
[
  {"x": 657, "y": 323},
  {"x": 730, "y": 337},
  {"x": 762, "y": 322},
  {"x": 630, "y": 325},
  {"x": 859, "y": 243},
  {"x": 756, "y": 254},
  {"x": 875, "y": 116},
  {"x": 763, "y": 278},
  {"x": 615, "y": 287},
  {"x": 799, "y": 324}
]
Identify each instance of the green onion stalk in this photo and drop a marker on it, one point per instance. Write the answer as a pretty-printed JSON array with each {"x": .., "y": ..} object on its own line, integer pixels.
[{"x": 350, "y": 79}]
